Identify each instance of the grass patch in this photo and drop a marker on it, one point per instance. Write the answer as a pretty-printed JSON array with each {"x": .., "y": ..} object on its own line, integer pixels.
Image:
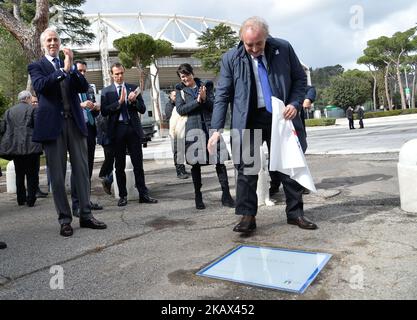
[
  {"x": 320, "y": 122},
  {"x": 390, "y": 113},
  {"x": 3, "y": 163}
]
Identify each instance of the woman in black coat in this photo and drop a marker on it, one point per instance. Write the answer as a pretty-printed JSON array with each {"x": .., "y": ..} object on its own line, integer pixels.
[{"x": 194, "y": 99}]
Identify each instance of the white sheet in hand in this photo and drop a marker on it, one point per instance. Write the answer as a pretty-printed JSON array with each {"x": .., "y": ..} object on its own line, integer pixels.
[{"x": 286, "y": 154}]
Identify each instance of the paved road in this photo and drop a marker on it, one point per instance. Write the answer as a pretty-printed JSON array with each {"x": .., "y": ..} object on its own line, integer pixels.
[
  {"x": 379, "y": 135},
  {"x": 154, "y": 251}
]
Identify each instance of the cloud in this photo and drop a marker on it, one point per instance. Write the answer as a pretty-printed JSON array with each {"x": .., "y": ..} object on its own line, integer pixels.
[{"x": 323, "y": 32}]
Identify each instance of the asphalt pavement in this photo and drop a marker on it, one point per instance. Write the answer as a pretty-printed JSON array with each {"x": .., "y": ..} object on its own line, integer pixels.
[{"x": 153, "y": 251}]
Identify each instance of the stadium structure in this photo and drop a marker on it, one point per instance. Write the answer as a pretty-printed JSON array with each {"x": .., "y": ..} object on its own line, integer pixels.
[{"x": 182, "y": 31}]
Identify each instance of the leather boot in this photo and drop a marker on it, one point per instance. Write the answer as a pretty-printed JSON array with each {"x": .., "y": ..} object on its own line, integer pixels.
[
  {"x": 199, "y": 204},
  {"x": 227, "y": 199},
  {"x": 196, "y": 175}
]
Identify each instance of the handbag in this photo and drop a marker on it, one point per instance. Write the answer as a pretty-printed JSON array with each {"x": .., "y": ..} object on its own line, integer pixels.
[{"x": 177, "y": 123}]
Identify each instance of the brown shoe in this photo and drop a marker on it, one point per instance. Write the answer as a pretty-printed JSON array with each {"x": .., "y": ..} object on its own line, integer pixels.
[
  {"x": 303, "y": 223},
  {"x": 66, "y": 230},
  {"x": 246, "y": 224}
]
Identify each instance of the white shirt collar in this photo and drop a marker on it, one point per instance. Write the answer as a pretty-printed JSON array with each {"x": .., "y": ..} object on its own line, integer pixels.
[
  {"x": 117, "y": 85},
  {"x": 50, "y": 58}
]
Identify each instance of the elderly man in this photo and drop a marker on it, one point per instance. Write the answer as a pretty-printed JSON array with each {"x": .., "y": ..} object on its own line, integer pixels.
[
  {"x": 60, "y": 127},
  {"x": 259, "y": 68},
  {"x": 16, "y": 144}
]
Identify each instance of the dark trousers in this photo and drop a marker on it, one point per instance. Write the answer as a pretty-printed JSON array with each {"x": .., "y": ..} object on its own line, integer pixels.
[
  {"x": 246, "y": 198},
  {"x": 26, "y": 166},
  {"x": 126, "y": 137},
  {"x": 70, "y": 140},
  {"x": 221, "y": 175},
  {"x": 351, "y": 124},
  {"x": 108, "y": 163},
  {"x": 361, "y": 123},
  {"x": 91, "y": 148}
]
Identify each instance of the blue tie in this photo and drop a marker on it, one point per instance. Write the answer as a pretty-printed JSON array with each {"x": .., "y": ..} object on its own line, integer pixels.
[
  {"x": 123, "y": 107},
  {"x": 56, "y": 63},
  {"x": 266, "y": 88}
]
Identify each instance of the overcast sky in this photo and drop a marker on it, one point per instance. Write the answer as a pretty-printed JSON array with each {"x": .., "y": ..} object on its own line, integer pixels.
[{"x": 322, "y": 32}]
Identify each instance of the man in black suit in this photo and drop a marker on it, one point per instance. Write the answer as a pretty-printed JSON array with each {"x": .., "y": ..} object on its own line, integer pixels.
[
  {"x": 264, "y": 67},
  {"x": 91, "y": 109},
  {"x": 60, "y": 127},
  {"x": 122, "y": 103}
]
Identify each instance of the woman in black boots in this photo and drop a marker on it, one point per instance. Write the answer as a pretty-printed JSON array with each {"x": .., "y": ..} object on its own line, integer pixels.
[{"x": 194, "y": 99}]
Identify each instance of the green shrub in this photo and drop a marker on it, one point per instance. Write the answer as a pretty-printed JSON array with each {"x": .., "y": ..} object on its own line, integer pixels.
[
  {"x": 387, "y": 113},
  {"x": 320, "y": 122}
]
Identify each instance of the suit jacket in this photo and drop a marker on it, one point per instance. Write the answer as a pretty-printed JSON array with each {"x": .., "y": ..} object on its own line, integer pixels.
[
  {"x": 236, "y": 84},
  {"x": 50, "y": 114},
  {"x": 110, "y": 107},
  {"x": 16, "y": 140}
]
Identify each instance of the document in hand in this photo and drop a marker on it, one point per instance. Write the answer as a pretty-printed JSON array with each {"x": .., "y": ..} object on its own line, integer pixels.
[{"x": 286, "y": 154}]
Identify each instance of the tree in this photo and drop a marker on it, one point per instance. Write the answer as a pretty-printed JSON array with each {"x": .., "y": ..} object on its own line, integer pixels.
[
  {"x": 374, "y": 62},
  {"x": 13, "y": 76},
  {"x": 141, "y": 50},
  {"x": 349, "y": 89},
  {"x": 4, "y": 103},
  {"x": 399, "y": 46},
  {"x": 26, "y": 20},
  {"x": 320, "y": 77},
  {"x": 214, "y": 43}
]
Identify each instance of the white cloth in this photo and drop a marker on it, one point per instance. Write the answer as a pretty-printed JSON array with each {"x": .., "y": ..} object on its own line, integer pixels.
[{"x": 286, "y": 153}]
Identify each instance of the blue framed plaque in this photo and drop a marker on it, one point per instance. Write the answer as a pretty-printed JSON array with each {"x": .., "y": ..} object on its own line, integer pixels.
[{"x": 274, "y": 268}]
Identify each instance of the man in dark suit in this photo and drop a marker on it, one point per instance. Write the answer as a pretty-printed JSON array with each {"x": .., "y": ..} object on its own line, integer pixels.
[
  {"x": 263, "y": 67},
  {"x": 91, "y": 110},
  {"x": 60, "y": 127},
  {"x": 21, "y": 149},
  {"x": 121, "y": 103}
]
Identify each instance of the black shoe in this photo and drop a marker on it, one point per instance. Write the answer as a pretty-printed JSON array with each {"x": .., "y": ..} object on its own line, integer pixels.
[
  {"x": 246, "y": 224},
  {"x": 303, "y": 223},
  {"x": 21, "y": 203},
  {"x": 3, "y": 245},
  {"x": 76, "y": 213},
  {"x": 106, "y": 186},
  {"x": 122, "y": 202},
  {"x": 31, "y": 203},
  {"x": 147, "y": 199},
  {"x": 199, "y": 204},
  {"x": 92, "y": 223},
  {"x": 95, "y": 206},
  {"x": 40, "y": 194},
  {"x": 66, "y": 230}
]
